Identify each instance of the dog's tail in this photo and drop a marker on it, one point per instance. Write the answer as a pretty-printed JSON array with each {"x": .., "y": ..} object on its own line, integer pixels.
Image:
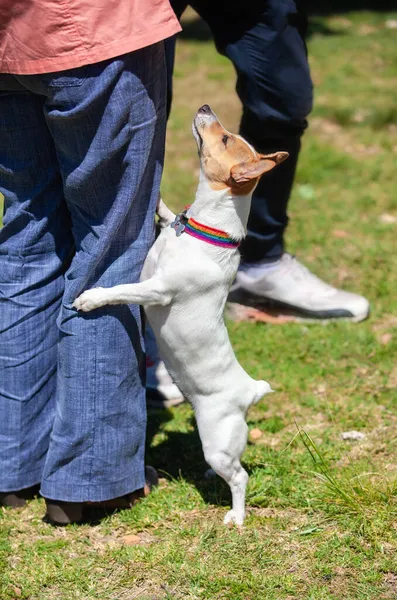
[{"x": 262, "y": 388}]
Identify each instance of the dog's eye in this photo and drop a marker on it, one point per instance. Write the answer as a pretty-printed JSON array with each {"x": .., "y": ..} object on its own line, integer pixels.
[{"x": 225, "y": 138}]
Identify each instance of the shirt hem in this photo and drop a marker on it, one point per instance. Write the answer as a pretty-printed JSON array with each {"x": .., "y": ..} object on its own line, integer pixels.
[{"x": 88, "y": 57}]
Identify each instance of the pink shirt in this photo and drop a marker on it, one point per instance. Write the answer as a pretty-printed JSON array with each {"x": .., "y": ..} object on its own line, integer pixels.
[{"x": 41, "y": 36}]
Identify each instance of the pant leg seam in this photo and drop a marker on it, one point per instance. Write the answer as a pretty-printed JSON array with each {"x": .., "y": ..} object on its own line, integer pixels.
[{"x": 93, "y": 396}]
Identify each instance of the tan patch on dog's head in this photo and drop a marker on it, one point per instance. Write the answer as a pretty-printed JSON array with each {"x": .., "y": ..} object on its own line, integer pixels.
[{"x": 227, "y": 160}]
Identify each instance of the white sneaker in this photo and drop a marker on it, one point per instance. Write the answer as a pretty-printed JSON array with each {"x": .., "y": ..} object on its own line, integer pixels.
[
  {"x": 161, "y": 391},
  {"x": 290, "y": 286}
]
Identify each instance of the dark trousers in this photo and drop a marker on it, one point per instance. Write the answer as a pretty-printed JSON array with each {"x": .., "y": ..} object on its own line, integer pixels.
[{"x": 264, "y": 39}]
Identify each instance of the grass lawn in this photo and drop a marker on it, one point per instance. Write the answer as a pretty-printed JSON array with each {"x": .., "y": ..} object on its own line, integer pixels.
[{"x": 322, "y": 520}]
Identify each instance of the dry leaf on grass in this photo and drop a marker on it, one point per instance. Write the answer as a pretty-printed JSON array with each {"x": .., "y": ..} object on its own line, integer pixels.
[
  {"x": 238, "y": 312},
  {"x": 135, "y": 540},
  {"x": 255, "y": 434},
  {"x": 385, "y": 338},
  {"x": 340, "y": 233},
  {"x": 131, "y": 540}
]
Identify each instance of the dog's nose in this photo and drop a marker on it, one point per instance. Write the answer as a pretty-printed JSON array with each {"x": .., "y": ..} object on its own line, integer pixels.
[{"x": 206, "y": 109}]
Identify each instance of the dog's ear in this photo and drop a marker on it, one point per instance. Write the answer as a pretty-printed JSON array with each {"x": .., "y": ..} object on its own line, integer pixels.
[{"x": 244, "y": 171}]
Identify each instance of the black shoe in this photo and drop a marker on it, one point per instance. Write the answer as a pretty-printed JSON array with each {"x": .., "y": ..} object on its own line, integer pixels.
[
  {"x": 66, "y": 513},
  {"x": 17, "y": 499}
]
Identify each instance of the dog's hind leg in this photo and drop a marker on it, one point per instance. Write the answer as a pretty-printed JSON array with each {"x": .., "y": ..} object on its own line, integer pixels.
[
  {"x": 223, "y": 456},
  {"x": 233, "y": 473},
  {"x": 238, "y": 483}
]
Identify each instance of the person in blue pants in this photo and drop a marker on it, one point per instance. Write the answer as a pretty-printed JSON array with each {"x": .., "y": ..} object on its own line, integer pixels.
[
  {"x": 265, "y": 41},
  {"x": 81, "y": 157}
]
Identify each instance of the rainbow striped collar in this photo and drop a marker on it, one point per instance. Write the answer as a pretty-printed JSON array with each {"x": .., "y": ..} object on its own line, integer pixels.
[{"x": 216, "y": 237}]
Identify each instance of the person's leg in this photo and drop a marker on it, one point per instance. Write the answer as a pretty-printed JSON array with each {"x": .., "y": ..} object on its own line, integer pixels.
[
  {"x": 35, "y": 250},
  {"x": 108, "y": 122},
  {"x": 266, "y": 45},
  {"x": 275, "y": 87}
]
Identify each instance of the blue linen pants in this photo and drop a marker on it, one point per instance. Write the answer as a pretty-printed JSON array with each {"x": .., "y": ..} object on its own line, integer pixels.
[
  {"x": 264, "y": 39},
  {"x": 81, "y": 157}
]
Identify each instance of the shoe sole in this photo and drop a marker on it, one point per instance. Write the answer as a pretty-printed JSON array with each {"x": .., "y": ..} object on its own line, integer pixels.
[{"x": 278, "y": 313}]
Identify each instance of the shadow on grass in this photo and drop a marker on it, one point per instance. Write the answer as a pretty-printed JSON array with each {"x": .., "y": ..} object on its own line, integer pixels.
[{"x": 181, "y": 455}]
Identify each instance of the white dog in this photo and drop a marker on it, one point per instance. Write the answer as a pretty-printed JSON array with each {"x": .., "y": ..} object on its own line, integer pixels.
[{"x": 184, "y": 285}]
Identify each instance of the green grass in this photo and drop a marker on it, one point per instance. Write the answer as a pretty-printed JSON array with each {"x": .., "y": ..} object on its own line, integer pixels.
[{"x": 322, "y": 512}]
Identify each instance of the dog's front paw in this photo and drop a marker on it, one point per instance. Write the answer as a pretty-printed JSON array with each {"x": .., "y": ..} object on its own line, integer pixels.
[
  {"x": 233, "y": 517},
  {"x": 90, "y": 299}
]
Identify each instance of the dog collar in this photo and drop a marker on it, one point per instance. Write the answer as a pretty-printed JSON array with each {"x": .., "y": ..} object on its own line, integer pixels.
[{"x": 216, "y": 237}]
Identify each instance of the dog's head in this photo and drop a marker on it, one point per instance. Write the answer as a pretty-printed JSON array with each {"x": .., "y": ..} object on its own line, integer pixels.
[{"x": 227, "y": 160}]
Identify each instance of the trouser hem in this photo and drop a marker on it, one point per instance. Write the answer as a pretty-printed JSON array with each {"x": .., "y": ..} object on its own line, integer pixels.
[
  {"x": 95, "y": 492},
  {"x": 253, "y": 250},
  {"x": 31, "y": 479}
]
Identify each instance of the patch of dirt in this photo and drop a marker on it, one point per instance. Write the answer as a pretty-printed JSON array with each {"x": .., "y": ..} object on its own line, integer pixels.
[
  {"x": 366, "y": 29},
  {"x": 341, "y": 22},
  {"x": 143, "y": 593},
  {"x": 318, "y": 422},
  {"x": 341, "y": 138},
  {"x": 390, "y": 580},
  {"x": 295, "y": 517},
  {"x": 385, "y": 338},
  {"x": 343, "y": 274},
  {"x": 388, "y": 219},
  {"x": 376, "y": 447},
  {"x": 392, "y": 381}
]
